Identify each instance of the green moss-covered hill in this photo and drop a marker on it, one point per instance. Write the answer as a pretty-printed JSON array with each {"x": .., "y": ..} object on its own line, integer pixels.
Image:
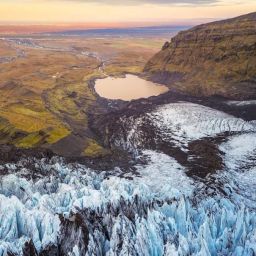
[{"x": 214, "y": 58}]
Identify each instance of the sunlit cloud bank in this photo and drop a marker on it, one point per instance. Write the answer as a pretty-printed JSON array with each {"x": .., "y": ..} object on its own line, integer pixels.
[{"x": 116, "y": 11}]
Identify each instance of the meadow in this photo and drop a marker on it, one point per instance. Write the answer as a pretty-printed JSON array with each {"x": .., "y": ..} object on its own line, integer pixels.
[{"x": 45, "y": 94}]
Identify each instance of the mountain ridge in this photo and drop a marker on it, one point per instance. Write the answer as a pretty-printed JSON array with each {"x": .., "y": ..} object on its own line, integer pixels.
[{"x": 217, "y": 58}]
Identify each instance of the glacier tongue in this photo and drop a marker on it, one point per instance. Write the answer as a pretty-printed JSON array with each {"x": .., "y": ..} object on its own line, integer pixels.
[
  {"x": 69, "y": 209},
  {"x": 192, "y": 121},
  {"x": 178, "y": 123},
  {"x": 145, "y": 216}
]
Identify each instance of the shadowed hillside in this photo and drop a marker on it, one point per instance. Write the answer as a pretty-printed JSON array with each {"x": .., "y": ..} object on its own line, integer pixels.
[{"x": 214, "y": 58}]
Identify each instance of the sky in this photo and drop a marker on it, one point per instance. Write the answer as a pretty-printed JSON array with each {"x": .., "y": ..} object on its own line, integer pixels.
[{"x": 121, "y": 11}]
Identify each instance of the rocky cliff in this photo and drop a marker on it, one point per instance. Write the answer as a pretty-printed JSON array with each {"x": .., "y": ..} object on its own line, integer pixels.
[{"x": 215, "y": 58}]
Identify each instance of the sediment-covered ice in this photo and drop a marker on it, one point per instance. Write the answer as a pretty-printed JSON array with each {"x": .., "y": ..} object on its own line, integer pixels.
[
  {"x": 192, "y": 121},
  {"x": 178, "y": 123}
]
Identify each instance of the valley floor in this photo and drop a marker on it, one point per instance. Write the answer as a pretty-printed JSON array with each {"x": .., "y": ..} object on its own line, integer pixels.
[{"x": 46, "y": 99}]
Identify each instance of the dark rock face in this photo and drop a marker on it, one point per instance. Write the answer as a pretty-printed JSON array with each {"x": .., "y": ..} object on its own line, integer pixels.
[
  {"x": 204, "y": 156},
  {"x": 73, "y": 232},
  {"x": 29, "y": 249},
  {"x": 9, "y": 153},
  {"x": 214, "y": 58}
]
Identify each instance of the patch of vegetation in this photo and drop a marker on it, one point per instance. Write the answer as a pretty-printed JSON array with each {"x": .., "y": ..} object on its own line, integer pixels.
[
  {"x": 116, "y": 71},
  {"x": 30, "y": 141},
  {"x": 93, "y": 149},
  {"x": 56, "y": 134},
  {"x": 8, "y": 133}
]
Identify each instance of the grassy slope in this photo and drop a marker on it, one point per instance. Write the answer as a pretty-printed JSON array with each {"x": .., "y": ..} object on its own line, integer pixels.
[{"x": 45, "y": 95}]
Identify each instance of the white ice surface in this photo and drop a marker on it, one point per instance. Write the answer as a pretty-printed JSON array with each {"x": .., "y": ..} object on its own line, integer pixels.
[
  {"x": 164, "y": 176},
  {"x": 180, "y": 123},
  {"x": 189, "y": 121},
  {"x": 242, "y": 102}
]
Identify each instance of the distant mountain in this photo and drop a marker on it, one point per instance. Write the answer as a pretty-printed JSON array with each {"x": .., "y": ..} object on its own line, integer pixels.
[
  {"x": 119, "y": 32},
  {"x": 214, "y": 58}
]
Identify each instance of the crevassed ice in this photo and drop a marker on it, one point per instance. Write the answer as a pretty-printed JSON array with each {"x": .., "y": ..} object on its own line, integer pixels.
[
  {"x": 192, "y": 121},
  {"x": 159, "y": 212},
  {"x": 239, "y": 149},
  {"x": 170, "y": 222},
  {"x": 180, "y": 123},
  {"x": 240, "y": 162}
]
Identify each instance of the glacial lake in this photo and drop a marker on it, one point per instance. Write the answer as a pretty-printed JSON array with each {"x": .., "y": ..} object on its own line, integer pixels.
[{"x": 130, "y": 87}]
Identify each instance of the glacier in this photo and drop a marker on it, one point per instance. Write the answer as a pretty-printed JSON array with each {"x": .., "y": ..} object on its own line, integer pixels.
[
  {"x": 70, "y": 209},
  {"x": 177, "y": 123}
]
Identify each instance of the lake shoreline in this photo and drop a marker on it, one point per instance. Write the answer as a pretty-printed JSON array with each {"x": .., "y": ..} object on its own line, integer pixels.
[
  {"x": 112, "y": 110},
  {"x": 127, "y": 88}
]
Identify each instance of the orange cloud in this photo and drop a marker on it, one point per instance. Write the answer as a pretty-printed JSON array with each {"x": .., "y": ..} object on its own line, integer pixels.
[{"x": 42, "y": 11}]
